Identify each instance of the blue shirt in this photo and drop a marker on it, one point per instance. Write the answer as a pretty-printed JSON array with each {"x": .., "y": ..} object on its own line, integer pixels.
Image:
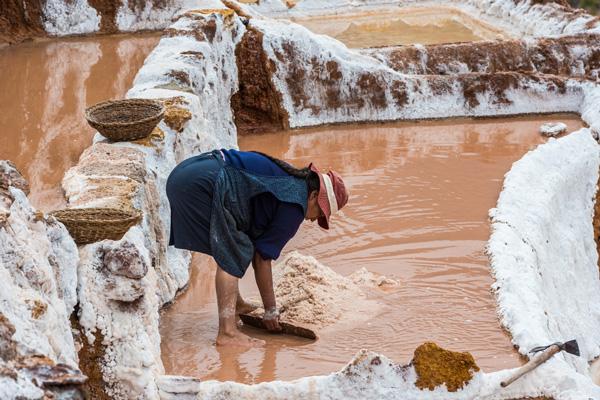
[{"x": 277, "y": 220}]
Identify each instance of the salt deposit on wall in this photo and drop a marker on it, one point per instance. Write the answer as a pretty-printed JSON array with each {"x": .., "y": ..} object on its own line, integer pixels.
[
  {"x": 134, "y": 15},
  {"x": 319, "y": 81},
  {"x": 70, "y": 17},
  {"x": 123, "y": 284},
  {"x": 542, "y": 249},
  {"x": 523, "y": 17},
  {"x": 64, "y": 17},
  {"x": 575, "y": 56},
  {"x": 38, "y": 262}
]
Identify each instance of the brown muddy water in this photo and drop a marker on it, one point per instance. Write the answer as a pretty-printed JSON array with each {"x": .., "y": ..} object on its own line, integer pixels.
[
  {"x": 45, "y": 89},
  {"x": 423, "y": 25},
  {"x": 418, "y": 212}
]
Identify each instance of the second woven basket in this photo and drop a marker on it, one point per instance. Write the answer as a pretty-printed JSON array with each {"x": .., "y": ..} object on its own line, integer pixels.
[
  {"x": 123, "y": 120},
  {"x": 89, "y": 225}
]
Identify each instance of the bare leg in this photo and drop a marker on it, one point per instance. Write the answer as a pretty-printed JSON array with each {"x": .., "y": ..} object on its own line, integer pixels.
[
  {"x": 227, "y": 295},
  {"x": 244, "y": 307}
]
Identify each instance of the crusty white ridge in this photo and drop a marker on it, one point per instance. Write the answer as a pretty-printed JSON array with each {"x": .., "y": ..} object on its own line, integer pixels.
[
  {"x": 70, "y": 17},
  {"x": 521, "y": 17},
  {"x": 38, "y": 261},
  {"x": 542, "y": 249},
  {"x": 38, "y": 264}
]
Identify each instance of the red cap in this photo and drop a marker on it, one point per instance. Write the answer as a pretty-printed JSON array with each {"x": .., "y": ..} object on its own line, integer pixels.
[{"x": 331, "y": 187}]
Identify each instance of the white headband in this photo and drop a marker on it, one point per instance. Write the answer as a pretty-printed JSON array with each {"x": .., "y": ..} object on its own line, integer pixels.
[{"x": 333, "y": 206}]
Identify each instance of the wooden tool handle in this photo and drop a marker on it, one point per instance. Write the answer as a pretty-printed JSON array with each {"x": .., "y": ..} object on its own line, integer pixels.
[{"x": 532, "y": 364}]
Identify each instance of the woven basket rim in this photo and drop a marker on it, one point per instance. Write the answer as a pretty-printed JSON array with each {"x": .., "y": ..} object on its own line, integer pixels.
[
  {"x": 125, "y": 215},
  {"x": 109, "y": 103}
]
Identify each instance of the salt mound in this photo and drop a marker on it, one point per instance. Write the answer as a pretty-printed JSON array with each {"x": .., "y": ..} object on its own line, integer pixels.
[
  {"x": 553, "y": 128},
  {"x": 310, "y": 293},
  {"x": 364, "y": 277}
]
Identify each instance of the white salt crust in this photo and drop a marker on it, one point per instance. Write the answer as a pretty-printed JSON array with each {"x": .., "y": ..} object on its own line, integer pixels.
[
  {"x": 422, "y": 102},
  {"x": 553, "y": 128},
  {"x": 518, "y": 17},
  {"x": 38, "y": 262},
  {"x": 73, "y": 17},
  {"x": 62, "y": 17},
  {"x": 136, "y": 17},
  {"x": 542, "y": 249}
]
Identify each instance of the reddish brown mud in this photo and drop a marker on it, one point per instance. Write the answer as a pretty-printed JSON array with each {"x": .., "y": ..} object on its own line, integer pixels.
[
  {"x": 20, "y": 20},
  {"x": 557, "y": 56},
  {"x": 257, "y": 104},
  {"x": 418, "y": 212},
  {"x": 43, "y": 101}
]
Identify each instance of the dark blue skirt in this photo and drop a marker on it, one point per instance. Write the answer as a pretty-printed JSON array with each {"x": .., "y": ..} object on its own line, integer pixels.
[{"x": 190, "y": 188}]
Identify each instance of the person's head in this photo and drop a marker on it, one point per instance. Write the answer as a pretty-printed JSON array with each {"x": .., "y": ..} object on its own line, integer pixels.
[
  {"x": 326, "y": 192},
  {"x": 326, "y": 195},
  {"x": 313, "y": 211}
]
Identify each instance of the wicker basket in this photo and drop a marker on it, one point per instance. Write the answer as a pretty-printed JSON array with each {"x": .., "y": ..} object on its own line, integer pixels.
[
  {"x": 89, "y": 225},
  {"x": 121, "y": 120}
]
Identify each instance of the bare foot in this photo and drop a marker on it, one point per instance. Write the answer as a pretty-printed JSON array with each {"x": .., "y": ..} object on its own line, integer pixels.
[{"x": 238, "y": 339}]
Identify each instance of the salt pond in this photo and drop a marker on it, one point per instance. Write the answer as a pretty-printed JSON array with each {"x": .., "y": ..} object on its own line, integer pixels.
[
  {"x": 424, "y": 25},
  {"x": 420, "y": 195}
]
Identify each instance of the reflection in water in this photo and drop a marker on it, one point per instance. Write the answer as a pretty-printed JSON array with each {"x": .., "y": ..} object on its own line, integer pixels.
[
  {"x": 420, "y": 194},
  {"x": 427, "y": 25},
  {"x": 46, "y": 89}
]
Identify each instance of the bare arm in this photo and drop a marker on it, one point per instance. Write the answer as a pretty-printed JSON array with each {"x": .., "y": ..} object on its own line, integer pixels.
[{"x": 264, "y": 281}]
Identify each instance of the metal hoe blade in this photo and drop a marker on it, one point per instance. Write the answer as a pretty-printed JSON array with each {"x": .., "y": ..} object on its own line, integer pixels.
[{"x": 571, "y": 347}]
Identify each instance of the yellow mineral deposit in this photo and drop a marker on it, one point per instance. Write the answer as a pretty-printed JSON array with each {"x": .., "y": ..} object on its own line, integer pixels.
[
  {"x": 436, "y": 366},
  {"x": 176, "y": 115}
]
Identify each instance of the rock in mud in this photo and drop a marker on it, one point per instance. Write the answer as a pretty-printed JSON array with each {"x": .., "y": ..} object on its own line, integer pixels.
[
  {"x": 436, "y": 366},
  {"x": 10, "y": 176},
  {"x": 8, "y": 347},
  {"x": 125, "y": 260},
  {"x": 552, "y": 129},
  {"x": 46, "y": 372},
  {"x": 364, "y": 277},
  {"x": 178, "y": 384}
]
